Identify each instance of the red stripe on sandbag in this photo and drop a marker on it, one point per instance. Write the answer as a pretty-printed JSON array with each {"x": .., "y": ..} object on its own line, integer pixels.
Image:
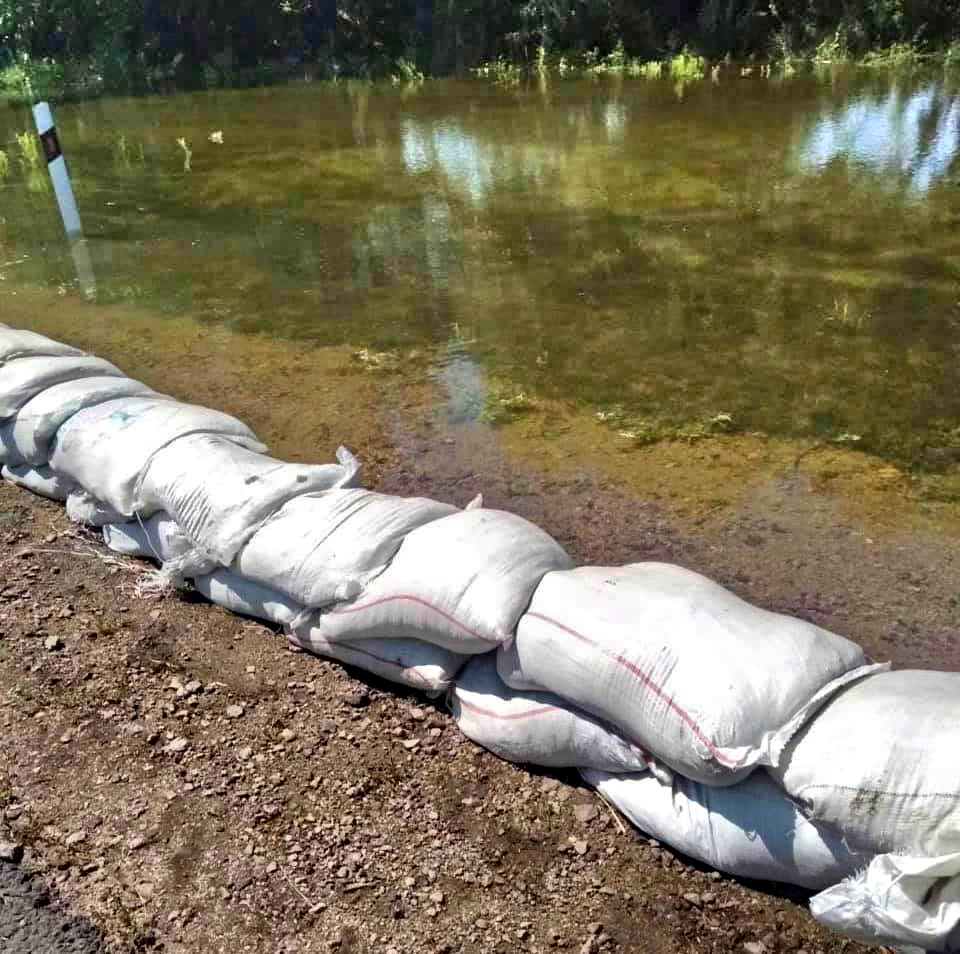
[
  {"x": 535, "y": 711},
  {"x": 649, "y": 683},
  {"x": 352, "y": 647},
  {"x": 406, "y": 597}
]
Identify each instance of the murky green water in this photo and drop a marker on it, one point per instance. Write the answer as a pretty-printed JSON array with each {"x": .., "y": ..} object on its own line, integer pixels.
[{"x": 749, "y": 254}]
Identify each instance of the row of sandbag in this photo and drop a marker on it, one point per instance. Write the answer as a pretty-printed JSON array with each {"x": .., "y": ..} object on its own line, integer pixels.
[
  {"x": 752, "y": 828},
  {"x": 679, "y": 677}
]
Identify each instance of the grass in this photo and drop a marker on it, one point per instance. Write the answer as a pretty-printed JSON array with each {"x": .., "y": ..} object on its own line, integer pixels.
[
  {"x": 4, "y": 165},
  {"x": 407, "y": 71},
  {"x": 187, "y": 153},
  {"x": 687, "y": 66},
  {"x": 29, "y": 150},
  {"x": 897, "y": 56}
]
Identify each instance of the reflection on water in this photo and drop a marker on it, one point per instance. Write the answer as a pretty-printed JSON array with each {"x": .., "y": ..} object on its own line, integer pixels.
[
  {"x": 908, "y": 134},
  {"x": 781, "y": 257}
]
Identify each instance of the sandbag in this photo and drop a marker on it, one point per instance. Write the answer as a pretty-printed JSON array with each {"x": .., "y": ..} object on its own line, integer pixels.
[
  {"x": 41, "y": 480},
  {"x": 22, "y": 379},
  {"x": 535, "y": 727},
  {"x": 750, "y": 830},
  {"x": 107, "y": 448},
  {"x": 460, "y": 582},
  {"x": 84, "y": 508},
  {"x": 157, "y": 538},
  {"x": 409, "y": 662},
  {"x": 246, "y": 598},
  {"x": 709, "y": 684},
  {"x": 881, "y": 762},
  {"x": 17, "y": 343},
  {"x": 27, "y": 437},
  {"x": 219, "y": 492},
  {"x": 897, "y": 899},
  {"x": 323, "y": 547}
]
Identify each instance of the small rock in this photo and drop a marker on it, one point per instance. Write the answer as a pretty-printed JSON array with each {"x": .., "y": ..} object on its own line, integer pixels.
[
  {"x": 356, "y": 698},
  {"x": 180, "y": 744},
  {"x": 192, "y": 687},
  {"x": 693, "y": 898},
  {"x": 11, "y": 851},
  {"x": 234, "y": 712},
  {"x": 410, "y": 743},
  {"x": 436, "y": 897},
  {"x": 417, "y": 714},
  {"x": 75, "y": 838},
  {"x": 585, "y": 813},
  {"x": 288, "y": 735},
  {"x": 245, "y": 753},
  {"x": 581, "y": 847},
  {"x": 53, "y": 643},
  {"x": 754, "y": 947}
]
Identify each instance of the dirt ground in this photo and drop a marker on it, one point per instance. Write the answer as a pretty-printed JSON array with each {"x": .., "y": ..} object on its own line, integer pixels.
[{"x": 181, "y": 780}]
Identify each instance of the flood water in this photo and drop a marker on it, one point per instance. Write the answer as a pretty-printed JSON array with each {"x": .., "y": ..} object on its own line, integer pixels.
[{"x": 746, "y": 255}]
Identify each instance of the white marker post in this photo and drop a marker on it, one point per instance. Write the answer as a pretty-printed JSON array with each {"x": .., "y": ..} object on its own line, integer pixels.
[{"x": 69, "y": 213}]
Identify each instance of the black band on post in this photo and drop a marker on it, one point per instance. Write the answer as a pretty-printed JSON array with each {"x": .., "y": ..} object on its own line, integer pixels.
[{"x": 51, "y": 144}]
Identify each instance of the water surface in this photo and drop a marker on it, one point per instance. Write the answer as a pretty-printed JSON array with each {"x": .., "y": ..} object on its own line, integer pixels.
[{"x": 747, "y": 255}]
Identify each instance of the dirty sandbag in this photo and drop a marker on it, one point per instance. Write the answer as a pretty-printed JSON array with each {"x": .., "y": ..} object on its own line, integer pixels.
[
  {"x": 84, "y": 508},
  {"x": 750, "y": 830},
  {"x": 156, "y": 538},
  {"x": 461, "y": 582},
  {"x": 880, "y": 762},
  {"x": 19, "y": 343},
  {"x": 708, "y": 683},
  {"x": 24, "y": 378},
  {"x": 535, "y": 727},
  {"x": 246, "y": 598},
  {"x": 219, "y": 492},
  {"x": 107, "y": 448},
  {"x": 897, "y": 900},
  {"x": 323, "y": 547},
  {"x": 408, "y": 662},
  {"x": 41, "y": 480},
  {"x": 27, "y": 437}
]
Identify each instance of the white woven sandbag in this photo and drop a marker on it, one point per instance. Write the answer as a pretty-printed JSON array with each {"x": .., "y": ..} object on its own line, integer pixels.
[
  {"x": 881, "y": 762},
  {"x": 27, "y": 436},
  {"x": 409, "y": 662},
  {"x": 157, "y": 538},
  {"x": 535, "y": 727},
  {"x": 897, "y": 900},
  {"x": 219, "y": 492},
  {"x": 460, "y": 582},
  {"x": 750, "y": 830},
  {"x": 24, "y": 378},
  {"x": 19, "y": 343},
  {"x": 84, "y": 508},
  {"x": 107, "y": 448},
  {"x": 41, "y": 480},
  {"x": 706, "y": 682},
  {"x": 246, "y": 598},
  {"x": 323, "y": 547}
]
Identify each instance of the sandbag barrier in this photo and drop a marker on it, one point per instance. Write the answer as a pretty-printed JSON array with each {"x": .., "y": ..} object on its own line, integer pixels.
[{"x": 760, "y": 744}]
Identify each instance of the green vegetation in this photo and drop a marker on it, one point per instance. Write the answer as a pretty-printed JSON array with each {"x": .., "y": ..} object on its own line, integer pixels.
[
  {"x": 65, "y": 48},
  {"x": 4, "y": 165},
  {"x": 29, "y": 150}
]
